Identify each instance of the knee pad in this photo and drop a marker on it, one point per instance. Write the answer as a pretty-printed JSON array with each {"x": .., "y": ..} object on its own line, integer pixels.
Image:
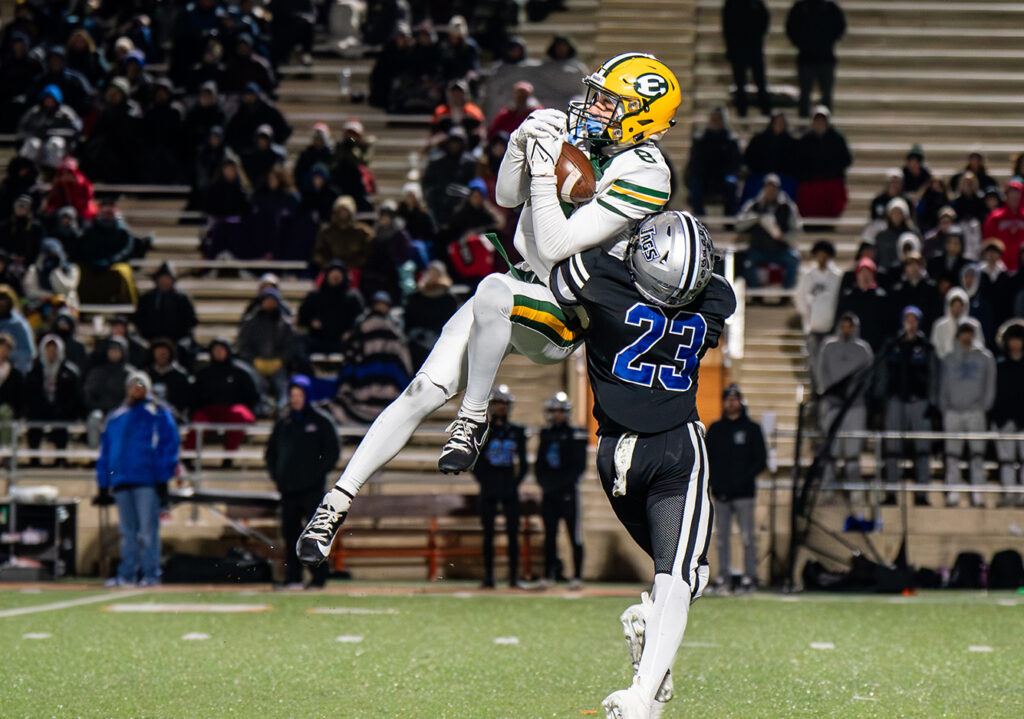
[{"x": 493, "y": 296}]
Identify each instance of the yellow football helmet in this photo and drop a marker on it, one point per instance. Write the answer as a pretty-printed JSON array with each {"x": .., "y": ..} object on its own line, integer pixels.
[{"x": 630, "y": 98}]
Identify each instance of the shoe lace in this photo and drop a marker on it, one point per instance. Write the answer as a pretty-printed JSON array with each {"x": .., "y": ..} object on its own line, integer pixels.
[
  {"x": 324, "y": 522},
  {"x": 461, "y": 433}
]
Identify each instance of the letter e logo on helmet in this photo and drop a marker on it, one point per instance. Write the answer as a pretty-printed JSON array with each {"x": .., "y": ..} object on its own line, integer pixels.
[{"x": 650, "y": 85}]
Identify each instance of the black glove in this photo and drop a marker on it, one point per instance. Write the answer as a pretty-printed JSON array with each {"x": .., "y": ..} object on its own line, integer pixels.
[{"x": 103, "y": 499}]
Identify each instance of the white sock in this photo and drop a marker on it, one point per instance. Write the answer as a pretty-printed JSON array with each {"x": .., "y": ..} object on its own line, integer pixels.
[
  {"x": 390, "y": 432},
  {"x": 488, "y": 343},
  {"x": 666, "y": 623}
]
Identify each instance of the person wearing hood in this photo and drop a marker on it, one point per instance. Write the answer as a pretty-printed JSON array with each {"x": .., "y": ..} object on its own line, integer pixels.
[
  {"x": 132, "y": 68},
  {"x": 65, "y": 326},
  {"x": 474, "y": 215},
  {"x": 10, "y": 275},
  {"x": 427, "y": 310},
  {"x": 51, "y": 279},
  {"x": 70, "y": 188},
  {"x": 116, "y": 144},
  {"x": 770, "y": 222},
  {"x": 266, "y": 341},
  {"x": 1007, "y": 413},
  {"x": 413, "y": 210},
  {"x": 943, "y": 337},
  {"x": 20, "y": 178},
  {"x": 390, "y": 267},
  {"x": 67, "y": 230},
  {"x": 50, "y": 116},
  {"x": 319, "y": 195},
  {"x": 343, "y": 238},
  {"x": 274, "y": 227},
  {"x": 253, "y": 111},
  {"x": 303, "y": 448},
  {"x": 898, "y": 224},
  {"x": 966, "y": 393},
  {"x": 936, "y": 246},
  {"x": 104, "y": 386},
  {"x": 773, "y": 150},
  {"x": 814, "y": 27},
  {"x": 844, "y": 357},
  {"x": 512, "y": 115},
  {"x": 206, "y": 114},
  {"x": 394, "y": 61},
  {"x": 21, "y": 235},
  {"x": 227, "y": 195},
  {"x": 558, "y": 76},
  {"x": 916, "y": 288},
  {"x": 450, "y": 166},
  {"x": 969, "y": 200},
  {"x": 512, "y": 65},
  {"x": 53, "y": 394},
  {"x": 77, "y": 91},
  {"x": 319, "y": 151},
  {"x": 736, "y": 455},
  {"x": 817, "y": 295},
  {"x": 909, "y": 380},
  {"x": 164, "y": 123},
  {"x": 934, "y": 198},
  {"x": 224, "y": 392},
  {"x": 246, "y": 68},
  {"x": 18, "y": 71},
  {"x": 744, "y": 26},
  {"x": 459, "y": 53},
  {"x": 715, "y": 161},
  {"x": 172, "y": 384},
  {"x": 868, "y": 302},
  {"x": 916, "y": 174},
  {"x": 165, "y": 311},
  {"x": 350, "y": 171},
  {"x": 103, "y": 254},
  {"x": 1006, "y": 224},
  {"x": 14, "y": 323},
  {"x": 330, "y": 310},
  {"x": 458, "y": 110},
  {"x": 208, "y": 69},
  {"x": 262, "y": 158},
  {"x": 268, "y": 281},
  {"x": 822, "y": 158},
  {"x": 138, "y": 457},
  {"x": 893, "y": 189}
]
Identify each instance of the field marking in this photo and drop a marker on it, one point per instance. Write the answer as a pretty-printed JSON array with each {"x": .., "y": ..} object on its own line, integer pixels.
[
  {"x": 506, "y": 641},
  {"x": 701, "y": 645},
  {"x": 1007, "y": 603},
  {"x": 186, "y": 608},
  {"x": 865, "y": 699},
  {"x": 195, "y": 637},
  {"x": 350, "y": 610},
  {"x": 36, "y": 635},
  {"x": 349, "y": 639},
  {"x": 822, "y": 645},
  {"x": 31, "y": 590},
  {"x": 463, "y": 595},
  {"x": 979, "y": 648},
  {"x": 69, "y": 604}
]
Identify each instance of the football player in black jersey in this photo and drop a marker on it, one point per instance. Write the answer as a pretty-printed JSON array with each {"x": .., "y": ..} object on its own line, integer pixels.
[{"x": 650, "y": 315}]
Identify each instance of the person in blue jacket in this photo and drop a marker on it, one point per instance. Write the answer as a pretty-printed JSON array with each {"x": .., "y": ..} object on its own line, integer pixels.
[{"x": 138, "y": 456}]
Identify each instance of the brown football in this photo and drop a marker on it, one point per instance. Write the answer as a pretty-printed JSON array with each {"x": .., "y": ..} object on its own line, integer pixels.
[{"x": 574, "y": 176}]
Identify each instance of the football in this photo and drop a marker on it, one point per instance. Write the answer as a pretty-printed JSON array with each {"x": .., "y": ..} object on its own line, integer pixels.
[{"x": 574, "y": 176}]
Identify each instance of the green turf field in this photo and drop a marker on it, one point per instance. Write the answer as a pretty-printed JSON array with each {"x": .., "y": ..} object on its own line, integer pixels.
[{"x": 434, "y": 656}]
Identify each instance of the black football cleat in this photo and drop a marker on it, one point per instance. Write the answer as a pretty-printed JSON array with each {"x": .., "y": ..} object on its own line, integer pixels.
[
  {"x": 314, "y": 545},
  {"x": 465, "y": 439}
]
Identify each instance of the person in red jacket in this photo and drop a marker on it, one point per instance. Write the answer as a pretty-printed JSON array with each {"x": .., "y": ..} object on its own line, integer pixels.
[
  {"x": 1006, "y": 223},
  {"x": 512, "y": 115},
  {"x": 71, "y": 187}
]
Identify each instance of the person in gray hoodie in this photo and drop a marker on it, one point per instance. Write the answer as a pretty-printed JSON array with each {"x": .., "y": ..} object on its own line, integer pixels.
[
  {"x": 944, "y": 330},
  {"x": 966, "y": 393},
  {"x": 842, "y": 357}
]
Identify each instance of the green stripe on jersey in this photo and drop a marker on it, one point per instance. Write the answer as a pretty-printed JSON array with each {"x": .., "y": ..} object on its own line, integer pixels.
[
  {"x": 612, "y": 208},
  {"x": 634, "y": 201},
  {"x": 641, "y": 189}
]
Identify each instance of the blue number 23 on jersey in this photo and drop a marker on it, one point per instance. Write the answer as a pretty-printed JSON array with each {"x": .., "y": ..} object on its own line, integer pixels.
[{"x": 689, "y": 331}]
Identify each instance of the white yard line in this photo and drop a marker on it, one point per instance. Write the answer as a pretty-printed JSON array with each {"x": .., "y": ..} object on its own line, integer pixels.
[{"x": 69, "y": 604}]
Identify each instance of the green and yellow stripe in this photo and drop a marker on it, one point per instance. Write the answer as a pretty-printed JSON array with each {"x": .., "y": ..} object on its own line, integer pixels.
[
  {"x": 644, "y": 197},
  {"x": 546, "y": 318}
]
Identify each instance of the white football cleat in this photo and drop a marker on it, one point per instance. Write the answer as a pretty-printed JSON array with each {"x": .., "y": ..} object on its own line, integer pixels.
[
  {"x": 634, "y": 623},
  {"x": 626, "y": 704}
]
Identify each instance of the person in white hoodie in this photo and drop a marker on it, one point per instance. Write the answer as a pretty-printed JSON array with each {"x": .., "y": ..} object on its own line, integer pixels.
[
  {"x": 944, "y": 330},
  {"x": 966, "y": 393},
  {"x": 817, "y": 293}
]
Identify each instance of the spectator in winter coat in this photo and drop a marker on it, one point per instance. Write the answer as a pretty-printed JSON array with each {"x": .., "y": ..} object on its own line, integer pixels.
[
  {"x": 511, "y": 67},
  {"x": 246, "y": 68},
  {"x": 70, "y": 188},
  {"x": 557, "y": 79},
  {"x": 265, "y": 340},
  {"x": 103, "y": 254},
  {"x": 64, "y": 327},
  {"x": 13, "y": 323},
  {"x": 1007, "y": 224},
  {"x": 254, "y": 110},
  {"x": 224, "y": 391},
  {"x": 377, "y": 366},
  {"x": 350, "y": 174},
  {"x": 976, "y": 166},
  {"x": 21, "y": 235},
  {"x": 262, "y": 158},
  {"x": 21, "y": 178},
  {"x": 303, "y": 448},
  {"x": 228, "y": 194},
  {"x": 817, "y": 294},
  {"x": 343, "y": 238},
  {"x": 561, "y": 462},
  {"x": 1007, "y": 413},
  {"x": 209, "y": 69},
  {"x": 10, "y": 275},
  {"x": 418, "y": 220},
  {"x": 320, "y": 151},
  {"x": 51, "y": 281},
  {"x": 967, "y": 392},
  {"x": 427, "y": 310},
  {"x": 969, "y": 200},
  {"x": 979, "y": 306},
  {"x": 458, "y": 111},
  {"x": 329, "y": 311},
  {"x": 814, "y": 27},
  {"x": 868, "y": 302},
  {"x": 138, "y": 351},
  {"x": 77, "y": 91},
  {"x": 898, "y": 224},
  {"x": 736, "y": 455},
  {"x": 945, "y": 268},
  {"x": 893, "y": 189},
  {"x": 917, "y": 288},
  {"x": 164, "y": 124},
  {"x": 459, "y": 52},
  {"x": 172, "y": 384},
  {"x": 771, "y": 222},
  {"x": 12, "y": 386},
  {"x": 933, "y": 243},
  {"x": 510, "y": 117},
  {"x": 18, "y": 71},
  {"x": 53, "y": 393},
  {"x": 943, "y": 337},
  {"x": 104, "y": 387},
  {"x": 843, "y": 357},
  {"x": 274, "y": 229},
  {"x": 206, "y": 114},
  {"x": 744, "y": 25},
  {"x": 82, "y": 56},
  {"x": 393, "y": 62},
  {"x": 450, "y": 168},
  {"x": 138, "y": 457},
  {"x": 165, "y": 311},
  {"x": 714, "y": 164},
  {"x": 916, "y": 174},
  {"x": 318, "y": 198},
  {"x": 771, "y": 150},
  {"x": 822, "y": 158},
  {"x": 50, "y": 117},
  {"x": 908, "y": 378},
  {"x": 67, "y": 230},
  {"x": 114, "y": 150}
]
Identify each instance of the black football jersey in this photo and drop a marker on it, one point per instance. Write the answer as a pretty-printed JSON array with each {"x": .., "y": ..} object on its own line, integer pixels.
[{"x": 642, "y": 358}]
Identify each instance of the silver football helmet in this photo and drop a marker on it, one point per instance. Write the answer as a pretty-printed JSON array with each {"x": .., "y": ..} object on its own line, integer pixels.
[
  {"x": 670, "y": 258},
  {"x": 501, "y": 393},
  {"x": 559, "y": 401}
]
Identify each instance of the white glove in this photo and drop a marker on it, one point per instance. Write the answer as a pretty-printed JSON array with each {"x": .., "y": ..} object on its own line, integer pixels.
[
  {"x": 540, "y": 123},
  {"x": 542, "y": 154}
]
